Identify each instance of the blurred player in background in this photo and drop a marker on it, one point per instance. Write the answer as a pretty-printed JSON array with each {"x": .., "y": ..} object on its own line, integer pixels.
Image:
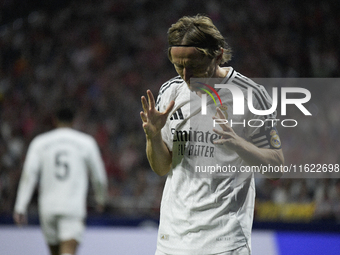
[
  {"x": 62, "y": 160},
  {"x": 205, "y": 215}
]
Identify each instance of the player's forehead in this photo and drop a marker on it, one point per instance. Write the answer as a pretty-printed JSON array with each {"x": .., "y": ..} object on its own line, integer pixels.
[{"x": 188, "y": 55}]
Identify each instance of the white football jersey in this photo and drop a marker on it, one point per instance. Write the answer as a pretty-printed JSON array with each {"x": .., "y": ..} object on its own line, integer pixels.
[
  {"x": 63, "y": 160},
  {"x": 204, "y": 213}
]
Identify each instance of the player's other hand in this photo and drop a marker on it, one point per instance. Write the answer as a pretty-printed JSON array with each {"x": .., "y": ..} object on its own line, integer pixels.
[
  {"x": 228, "y": 135},
  {"x": 20, "y": 219},
  {"x": 153, "y": 120}
]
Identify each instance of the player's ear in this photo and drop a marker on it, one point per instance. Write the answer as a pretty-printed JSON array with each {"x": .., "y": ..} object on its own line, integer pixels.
[{"x": 219, "y": 56}]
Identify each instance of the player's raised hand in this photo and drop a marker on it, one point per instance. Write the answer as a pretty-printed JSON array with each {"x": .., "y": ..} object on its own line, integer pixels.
[
  {"x": 228, "y": 135},
  {"x": 153, "y": 120}
]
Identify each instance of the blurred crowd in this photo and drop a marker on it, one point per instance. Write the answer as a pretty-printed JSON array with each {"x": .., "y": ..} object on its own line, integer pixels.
[{"x": 103, "y": 56}]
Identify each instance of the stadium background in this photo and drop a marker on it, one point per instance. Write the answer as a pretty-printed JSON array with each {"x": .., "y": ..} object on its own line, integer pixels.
[{"x": 103, "y": 55}]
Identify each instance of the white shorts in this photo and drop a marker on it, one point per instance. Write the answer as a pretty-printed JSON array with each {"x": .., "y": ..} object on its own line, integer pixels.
[
  {"x": 58, "y": 228},
  {"x": 244, "y": 250}
]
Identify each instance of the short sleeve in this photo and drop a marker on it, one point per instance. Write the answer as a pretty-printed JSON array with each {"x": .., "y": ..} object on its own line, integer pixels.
[{"x": 261, "y": 129}]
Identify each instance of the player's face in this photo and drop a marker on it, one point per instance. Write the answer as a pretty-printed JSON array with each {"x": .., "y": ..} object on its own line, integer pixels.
[{"x": 190, "y": 63}]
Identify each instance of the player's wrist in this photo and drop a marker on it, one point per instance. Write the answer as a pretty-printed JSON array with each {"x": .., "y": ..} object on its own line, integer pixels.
[{"x": 153, "y": 137}]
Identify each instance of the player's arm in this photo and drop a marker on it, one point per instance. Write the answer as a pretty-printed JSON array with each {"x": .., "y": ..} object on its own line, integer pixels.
[
  {"x": 98, "y": 176},
  {"x": 157, "y": 152},
  {"x": 158, "y": 155},
  {"x": 27, "y": 183},
  {"x": 255, "y": 156},
  {"x": 250, "y": 153}
]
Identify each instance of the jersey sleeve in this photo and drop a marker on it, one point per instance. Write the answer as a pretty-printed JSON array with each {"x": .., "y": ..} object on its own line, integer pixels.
[
  {"x": 261, "y": 129},
  {"x": 28, "y": 179},
  {"x": 97, "y": 172}
]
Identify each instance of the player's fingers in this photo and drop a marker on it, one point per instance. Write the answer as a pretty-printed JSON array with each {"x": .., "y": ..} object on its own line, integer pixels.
[
  {"x": 151, "y": 99},
  {"x": 220, "y": 113},
  {"x": 222, "y": 133},
  {"x": 143, "y": 116},
  {"x": 220, "y": 141},
  {"x": 223, "y": 124},
  {"x": 170, "y": 107},
  {"x": 145, "y": 105}
]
